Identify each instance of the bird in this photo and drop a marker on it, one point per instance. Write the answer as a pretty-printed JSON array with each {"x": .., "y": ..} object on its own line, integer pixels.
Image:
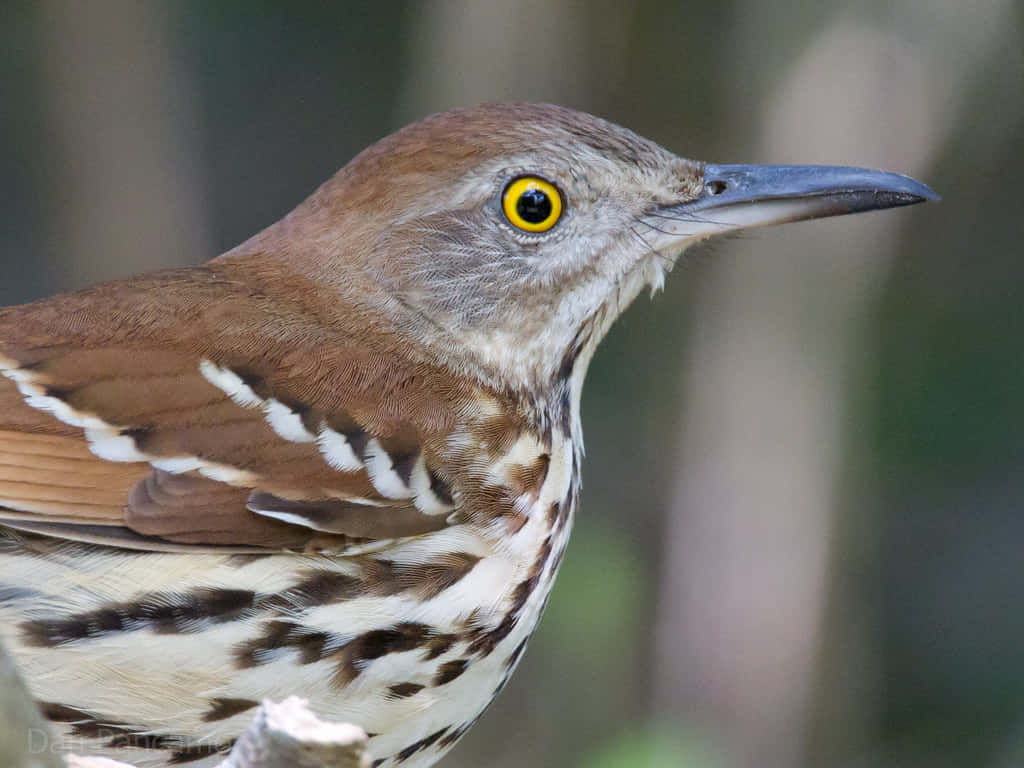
[{"x": 343, "y": 458}]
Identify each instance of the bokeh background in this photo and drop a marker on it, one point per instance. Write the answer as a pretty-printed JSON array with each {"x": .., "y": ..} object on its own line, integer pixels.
[{"x": 802, "y": 531}]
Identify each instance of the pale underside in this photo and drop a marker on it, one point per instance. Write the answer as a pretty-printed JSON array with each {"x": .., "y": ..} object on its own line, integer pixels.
[
  {"x": 420, "y": 561},
  {"x": 412, "y": 586},
  {"x": 171, "y": 685}
]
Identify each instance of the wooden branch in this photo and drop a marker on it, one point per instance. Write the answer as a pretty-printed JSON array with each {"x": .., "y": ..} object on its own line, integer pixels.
[
  {"x": 24, "y": 738},
  {"x": 282, "y": 735},
  {"x": 289, "y": 735},
  {"x": 74, "y": 761}
]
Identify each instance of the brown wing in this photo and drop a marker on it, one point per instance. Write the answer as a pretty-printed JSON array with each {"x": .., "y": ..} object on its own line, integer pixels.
[{"x": 187, "y": 409}]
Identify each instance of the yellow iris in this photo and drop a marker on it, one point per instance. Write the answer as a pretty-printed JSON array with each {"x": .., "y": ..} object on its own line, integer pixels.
[{"x": 532, "y": 204}]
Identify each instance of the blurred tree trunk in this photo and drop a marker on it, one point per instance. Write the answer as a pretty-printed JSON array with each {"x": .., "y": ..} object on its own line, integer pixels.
[
  {"x": 126, "y": 182},
  {"x": 465, "y": 52},
  {"x": 768, "y": 382}
]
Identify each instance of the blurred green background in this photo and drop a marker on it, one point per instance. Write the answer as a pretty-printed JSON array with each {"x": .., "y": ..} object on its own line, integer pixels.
[{"x": 801, "y": 539}]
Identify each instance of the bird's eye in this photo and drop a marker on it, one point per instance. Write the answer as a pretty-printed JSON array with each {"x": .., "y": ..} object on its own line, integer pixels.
[{"x": 532, "y": 204}]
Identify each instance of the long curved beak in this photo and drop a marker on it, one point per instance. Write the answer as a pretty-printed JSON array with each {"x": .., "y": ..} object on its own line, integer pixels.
[{"x": 742, "y": 196}]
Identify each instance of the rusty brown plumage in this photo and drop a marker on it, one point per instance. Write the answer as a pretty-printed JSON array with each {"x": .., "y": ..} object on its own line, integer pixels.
[{"x": 343, "y": 458}]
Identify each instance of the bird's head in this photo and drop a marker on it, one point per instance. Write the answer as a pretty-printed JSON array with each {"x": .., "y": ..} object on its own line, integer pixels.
[{"x": 503, "y": 240}]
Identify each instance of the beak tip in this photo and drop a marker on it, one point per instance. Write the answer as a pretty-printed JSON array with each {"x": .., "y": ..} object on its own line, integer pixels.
[{"x": 922, "y": 192}]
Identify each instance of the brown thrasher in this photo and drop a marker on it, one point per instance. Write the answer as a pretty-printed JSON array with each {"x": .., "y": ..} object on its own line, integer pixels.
[{"x": 342, "y": 459}]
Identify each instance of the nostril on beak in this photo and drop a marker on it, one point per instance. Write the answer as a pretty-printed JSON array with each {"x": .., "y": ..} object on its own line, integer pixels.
[{"x": 716, "y": 187}]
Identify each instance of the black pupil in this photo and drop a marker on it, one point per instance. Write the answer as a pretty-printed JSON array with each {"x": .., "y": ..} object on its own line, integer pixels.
[{"x": 534, "y": 206}]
